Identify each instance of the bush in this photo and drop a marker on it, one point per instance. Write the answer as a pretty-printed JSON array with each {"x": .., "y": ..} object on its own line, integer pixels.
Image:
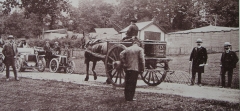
[{"x": 77, "y": 43}]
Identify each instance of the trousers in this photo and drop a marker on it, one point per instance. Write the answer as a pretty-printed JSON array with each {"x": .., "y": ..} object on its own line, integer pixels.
[
  {"x": 230, "y": 73},
  {"x": 11, "y": 63},
  {"x": 130, "y": 84},
  {"x": 194, "y": 75}
]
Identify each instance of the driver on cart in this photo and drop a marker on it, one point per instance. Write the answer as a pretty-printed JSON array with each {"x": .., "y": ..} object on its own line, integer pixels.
[
  {"x": 132, "y": 32},
  {"x": 57, "y": 49}
]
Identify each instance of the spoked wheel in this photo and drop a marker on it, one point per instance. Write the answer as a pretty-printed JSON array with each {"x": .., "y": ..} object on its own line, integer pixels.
[
  {"x": 18, "y": 65},
  {"x": 154, "y": 77},
  {"x": 71, "y": 66},
  {"x": 54, "y": 65},
  {"x": 114, "y": 69},
  {"x": 41, "y": 65}
]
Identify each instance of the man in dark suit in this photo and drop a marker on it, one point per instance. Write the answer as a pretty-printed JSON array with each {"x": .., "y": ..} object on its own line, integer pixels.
[
  {"x": 198, "y": 58},
  {"x": 132, "y": 31},
  {"x": 133, "y": 62},
  {"x": 229, "y": 60},
  {"x": 10, "y": 52},
  {"x": 48, "y": 51}
]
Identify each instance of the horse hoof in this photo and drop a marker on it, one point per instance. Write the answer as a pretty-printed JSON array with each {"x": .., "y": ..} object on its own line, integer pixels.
[
  {"x": 95, "y": 78},
  {"x": 86, "y": 79}
]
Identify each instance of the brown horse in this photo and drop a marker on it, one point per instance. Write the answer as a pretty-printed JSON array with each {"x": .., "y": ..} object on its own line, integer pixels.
[{"x": 97, "y": 47}]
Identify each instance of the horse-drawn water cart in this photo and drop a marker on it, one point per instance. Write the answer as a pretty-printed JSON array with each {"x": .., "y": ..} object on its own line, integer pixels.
[{"x": 156, "y": 63}]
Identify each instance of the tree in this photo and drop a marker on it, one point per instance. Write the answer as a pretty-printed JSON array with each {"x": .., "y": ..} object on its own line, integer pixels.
[
  {"x": 90, "y": 14},
  {"x": 42, "y": 8},
  {"x": 15, "y": 24},
  {"x": 224, "y": 12}
]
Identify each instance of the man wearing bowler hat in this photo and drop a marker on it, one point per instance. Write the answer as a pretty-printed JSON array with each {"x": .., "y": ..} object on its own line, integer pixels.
[
  {"x": 198, "y": 58},
  {"x": 229, "y": 60},
  {"x": 132, "y": 31},
  {"x": 10, "y": 52}
]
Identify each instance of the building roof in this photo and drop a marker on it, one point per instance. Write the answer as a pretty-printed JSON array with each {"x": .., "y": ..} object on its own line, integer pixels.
[
  {"x": 105, "y": 31},
  {"x": 206, "y": 29},
  {"x": 142, "y": 25},
  {"x": 61, "y": 31}
]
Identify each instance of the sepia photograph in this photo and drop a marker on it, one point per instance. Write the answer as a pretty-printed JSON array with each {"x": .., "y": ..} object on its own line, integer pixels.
[{"x": 119, "y": 55}]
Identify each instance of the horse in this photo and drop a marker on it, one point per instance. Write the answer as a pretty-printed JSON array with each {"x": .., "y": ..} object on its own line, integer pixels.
[{"x": 98, "y": 47}]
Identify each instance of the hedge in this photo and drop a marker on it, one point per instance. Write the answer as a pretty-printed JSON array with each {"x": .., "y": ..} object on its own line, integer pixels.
[{"x": 76, "y": 43}]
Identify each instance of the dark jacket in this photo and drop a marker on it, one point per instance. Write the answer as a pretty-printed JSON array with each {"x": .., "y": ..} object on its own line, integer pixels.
[
  {"x": 66, "y": 52},
  {"x": 133, "y": 58},
  {"x": 132, "y": 31},
  {"x": 229, "y": 60},
  {"x": 9, "y": 51},
  {"x": 47, "y": 49},
  {"x": 57, "y": 50},
  {"x": 198, "y": 56}
]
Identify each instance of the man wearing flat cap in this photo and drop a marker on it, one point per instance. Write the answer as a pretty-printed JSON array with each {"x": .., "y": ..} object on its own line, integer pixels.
[
  {"x": 10, "y": 52},
  {"x": 198, "y": 58},
  {"x": 229, "y": 60},
  {"x": 132, "y": 31}
]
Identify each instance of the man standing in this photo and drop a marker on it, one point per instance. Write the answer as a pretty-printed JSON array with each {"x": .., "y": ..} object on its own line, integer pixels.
[
  {"x": 198, "y": 58},
  {"x": 132, "y": 31},
  {"x": 10, "y": 52},
  {"x": 229, "y": 60},
  {"x": 133, "y": 61},
  {"x": 48, "y": 51}
]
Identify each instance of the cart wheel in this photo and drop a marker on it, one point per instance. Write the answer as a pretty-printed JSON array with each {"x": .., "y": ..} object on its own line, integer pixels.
[
  {"x": 71, "y": 66},
  {"x": 114, "y": 69},
  {"x": 154, "y": 77},
  {"x": 2, "y": 67},
  {"x": 41, "y": 65},
  {"x": 54, "y": 65},
  {"x": 19, "y": 65}
]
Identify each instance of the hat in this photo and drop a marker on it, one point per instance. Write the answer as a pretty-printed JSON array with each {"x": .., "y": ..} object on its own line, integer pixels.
[
  {"x": 10, "y": 37},
  {"x": 56, "y": 42},
  {"x": 47, "y": 41},
  {"x": 199, "y": 40},
  {"x": 227, "y": 44},
  {"x": 133, "y": 20}
]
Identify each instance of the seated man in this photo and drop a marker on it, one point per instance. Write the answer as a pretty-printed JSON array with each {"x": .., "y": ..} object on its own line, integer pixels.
[
  {"x": 132, "y": 31},
  {"x": 23, "y": 44},
  {"x": 57, "y": 49},
  {"x": 66, "y": 50}
]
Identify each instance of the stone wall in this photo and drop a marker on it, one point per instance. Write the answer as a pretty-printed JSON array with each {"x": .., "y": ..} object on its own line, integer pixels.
[{"x": 213, "y": 41}]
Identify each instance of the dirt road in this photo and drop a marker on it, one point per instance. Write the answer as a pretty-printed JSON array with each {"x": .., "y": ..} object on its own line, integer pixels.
[{"x": 211, "y": 93}]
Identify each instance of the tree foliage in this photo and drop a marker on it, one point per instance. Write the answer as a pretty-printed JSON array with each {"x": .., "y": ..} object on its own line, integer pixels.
[
  {"x": 170, "y": 14},
  {"x": 15, "y": 24},
  {"x": 42, "y": 8}
]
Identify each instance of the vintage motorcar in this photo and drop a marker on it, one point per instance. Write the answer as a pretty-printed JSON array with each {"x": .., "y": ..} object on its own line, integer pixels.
[
  {"x": 31, "y": 58},
  {"x": 59, "y": 62}
]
